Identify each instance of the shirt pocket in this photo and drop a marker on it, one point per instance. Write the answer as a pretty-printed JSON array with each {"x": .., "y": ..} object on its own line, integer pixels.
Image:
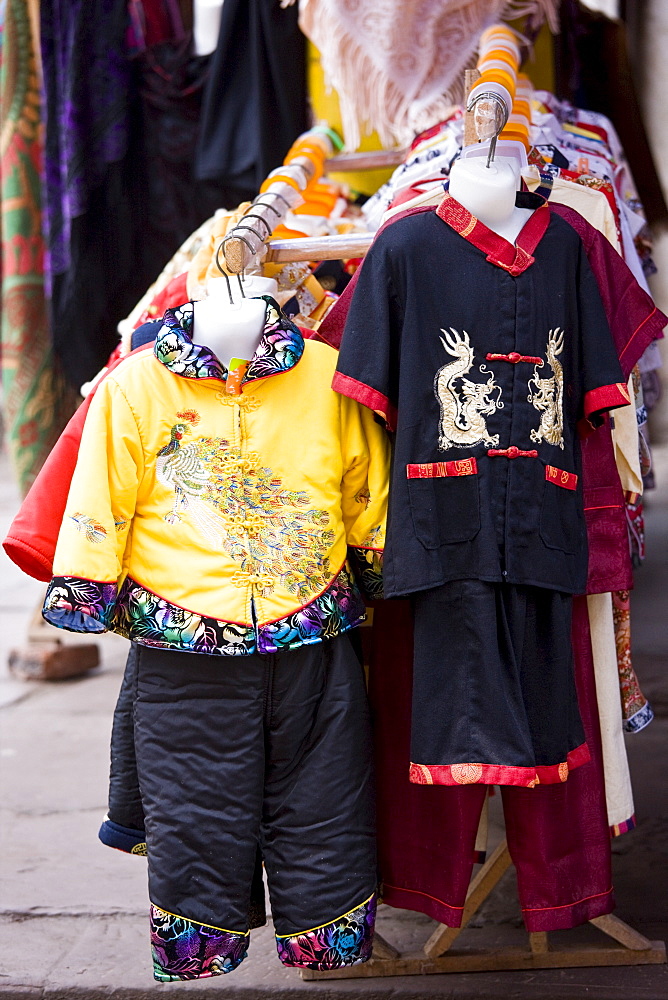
[
  {"x": 561, "y": 523},
  {"x": 445, "y": 507}
]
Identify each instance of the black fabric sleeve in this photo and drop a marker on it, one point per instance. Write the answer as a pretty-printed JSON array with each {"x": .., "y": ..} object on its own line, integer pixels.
[{"x": 367, "y": 368}]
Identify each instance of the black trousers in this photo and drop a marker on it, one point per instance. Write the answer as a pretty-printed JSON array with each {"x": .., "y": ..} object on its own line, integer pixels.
[
  {"x": 494, "y": 699},
  {"x": 240, "y": 756}
]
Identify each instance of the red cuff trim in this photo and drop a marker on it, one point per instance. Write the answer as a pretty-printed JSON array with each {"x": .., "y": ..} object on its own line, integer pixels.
[
  {"x": 498, "y": 774},
  {"x": 606, "y": 397},
  {"x": 567, "y": 480},
  {"x": 364, "y": 394},
  {"x": 437, "y": 470}
]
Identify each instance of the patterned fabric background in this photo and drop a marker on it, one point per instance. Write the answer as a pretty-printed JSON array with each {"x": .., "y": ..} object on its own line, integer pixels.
[{"x": 35, "y": 401}]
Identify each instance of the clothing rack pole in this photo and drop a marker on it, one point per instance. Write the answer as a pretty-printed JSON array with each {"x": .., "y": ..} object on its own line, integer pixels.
[
  {"x": 247, "y": 239},
  {"x": 318, "y": 248},
  {"x": 374, "y": 160}
]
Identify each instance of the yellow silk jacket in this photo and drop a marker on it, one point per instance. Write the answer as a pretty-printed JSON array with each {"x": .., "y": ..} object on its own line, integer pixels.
[{"x": 216, "y": 512}]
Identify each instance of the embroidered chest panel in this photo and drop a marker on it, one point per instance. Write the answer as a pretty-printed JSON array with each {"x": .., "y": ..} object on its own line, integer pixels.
[
  {"x": 464, "y": 403},
  {"x": 240, "y": 506}
]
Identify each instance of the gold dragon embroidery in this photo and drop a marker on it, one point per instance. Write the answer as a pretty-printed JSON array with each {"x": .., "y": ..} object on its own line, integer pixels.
[
  {"x": 464, "y": 405},
  {"x": 547, "y": 394}
]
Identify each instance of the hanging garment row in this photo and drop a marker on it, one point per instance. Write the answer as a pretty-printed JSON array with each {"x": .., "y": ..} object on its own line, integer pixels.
[{"x": 285, "y": 596}]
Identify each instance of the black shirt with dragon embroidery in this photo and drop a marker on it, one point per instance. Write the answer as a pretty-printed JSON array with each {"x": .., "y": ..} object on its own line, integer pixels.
[{"x": 483, "y": 377}]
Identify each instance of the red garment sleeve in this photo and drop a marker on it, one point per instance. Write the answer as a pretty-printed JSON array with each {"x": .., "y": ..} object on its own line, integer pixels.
[
  {"x": 603, "y": 386},
  {"x": 632, "y": 316},
  {"x": 32, "y": 536}
]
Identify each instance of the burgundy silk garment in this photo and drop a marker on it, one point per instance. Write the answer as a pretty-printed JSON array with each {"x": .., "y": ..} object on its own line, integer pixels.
[{"x": 557, "y": 834}]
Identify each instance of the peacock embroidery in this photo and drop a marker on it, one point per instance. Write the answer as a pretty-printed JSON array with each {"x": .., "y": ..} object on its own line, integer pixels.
[
  {"x": 547, "y": 394},
  {"x": 180, "y": 467},
  {"x": 272, "y": 533},
  {"x": 464, "y": 404}
]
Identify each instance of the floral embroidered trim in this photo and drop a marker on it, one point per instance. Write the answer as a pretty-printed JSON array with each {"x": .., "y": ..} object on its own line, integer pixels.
[
  {"x": 137, "y": 613},
  {"x": 348, "y": 940},
  {"x": 183, "y": 949},
  {"x": 280, "y": 348},
  {"x": 153, "y": 621},
  {"x": 498, "y": 774},
  {"x": 367, "y": 566},
  {"x": 79, "y": 605},
  {"x": 642, "y": 718}
]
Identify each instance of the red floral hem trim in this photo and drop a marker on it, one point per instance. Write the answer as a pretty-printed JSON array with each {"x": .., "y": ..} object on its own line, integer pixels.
[
  {"x": 364, "y": 394},
  {"x": 606, "y": 397},
  {"x": 498, "y": 774}
]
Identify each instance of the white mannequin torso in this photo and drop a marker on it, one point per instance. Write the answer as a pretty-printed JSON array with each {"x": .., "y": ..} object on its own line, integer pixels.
[
  {"x": 232, "y": 330},
  {"x": 489, "y": 194}
]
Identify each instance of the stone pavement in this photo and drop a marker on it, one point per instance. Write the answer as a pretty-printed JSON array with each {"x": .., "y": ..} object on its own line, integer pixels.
[{"x": 73, "y": 913}]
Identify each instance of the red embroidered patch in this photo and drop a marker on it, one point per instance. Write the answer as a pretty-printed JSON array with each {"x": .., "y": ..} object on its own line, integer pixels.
[
  {"x": 568, "y": 480},
  {"x": 438, "y": 470}
]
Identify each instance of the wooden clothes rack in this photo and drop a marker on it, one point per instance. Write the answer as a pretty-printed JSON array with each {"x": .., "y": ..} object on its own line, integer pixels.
[{"x": 438, "y": 956}]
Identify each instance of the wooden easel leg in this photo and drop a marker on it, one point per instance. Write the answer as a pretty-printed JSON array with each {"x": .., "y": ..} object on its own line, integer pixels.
[
  {"x": 538, "y": 943},
  {"x": 617, "y": 929},
  {"x": 382, "y": 949},
  {"x": 480, "y": 888}
]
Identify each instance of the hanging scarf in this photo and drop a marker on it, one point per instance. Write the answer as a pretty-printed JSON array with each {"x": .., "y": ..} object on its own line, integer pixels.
[{"x": 398, "y": 65}]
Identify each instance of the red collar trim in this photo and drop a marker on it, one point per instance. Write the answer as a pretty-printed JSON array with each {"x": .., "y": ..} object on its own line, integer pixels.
[{"x": 512, "y": 258}]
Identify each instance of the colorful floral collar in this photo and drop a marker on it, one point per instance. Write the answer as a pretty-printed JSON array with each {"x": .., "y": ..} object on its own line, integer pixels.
[
  {"x": 279, "y": 350},
  {"x": 514, "y": 258}
]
